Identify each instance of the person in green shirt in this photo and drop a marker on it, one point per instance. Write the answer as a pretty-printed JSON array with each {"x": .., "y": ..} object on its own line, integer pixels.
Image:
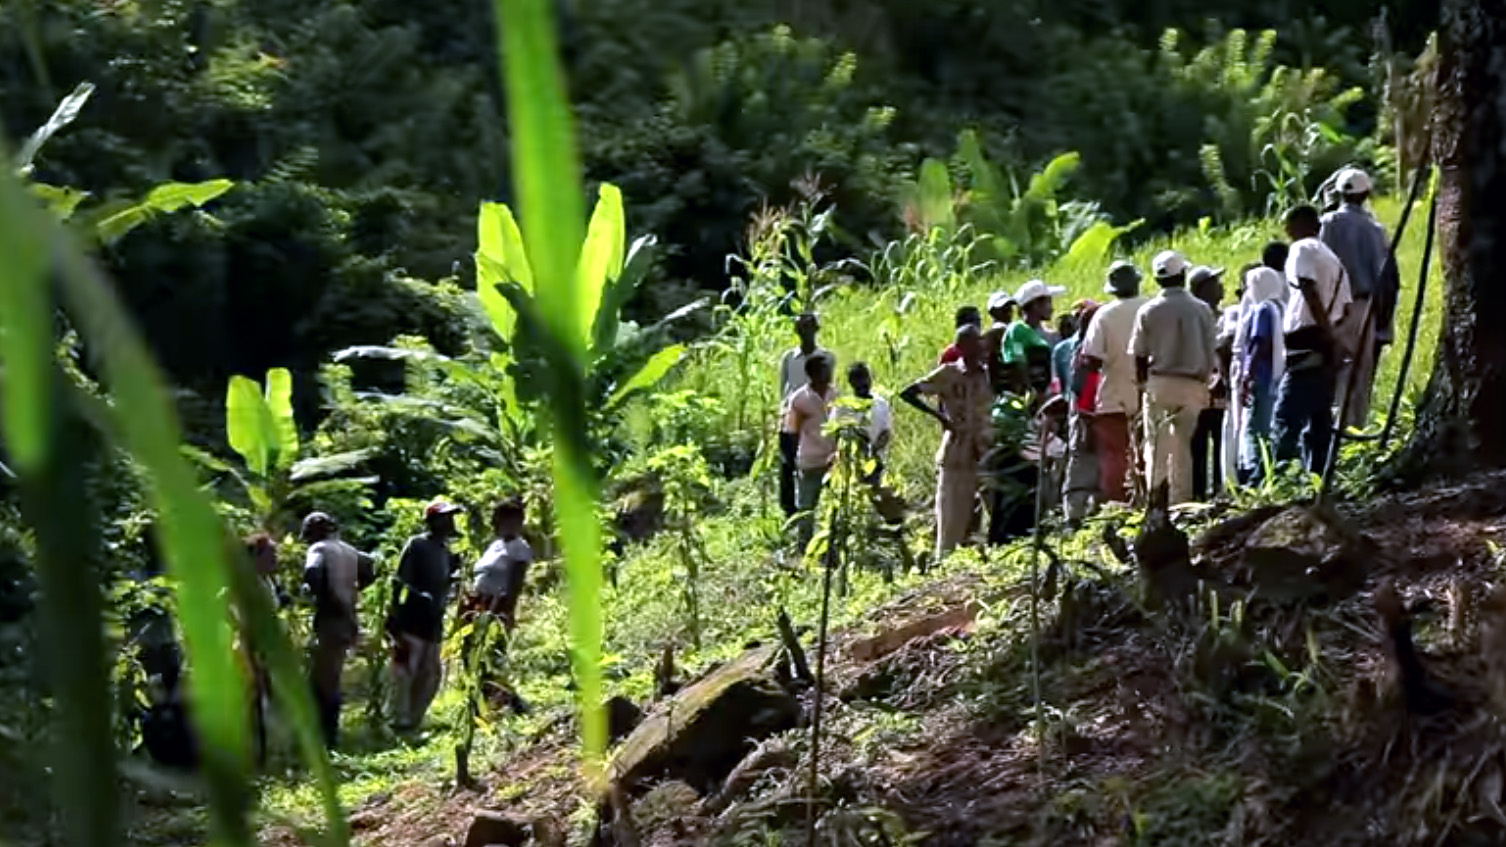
[{"x": 1026, "y": 342}]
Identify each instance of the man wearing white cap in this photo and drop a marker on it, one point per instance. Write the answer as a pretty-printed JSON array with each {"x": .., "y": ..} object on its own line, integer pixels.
[
  {"x": 1028, "y": 341},
  {"x": 1173, "y": 346},
  {"x": 1361, "y": 245}
]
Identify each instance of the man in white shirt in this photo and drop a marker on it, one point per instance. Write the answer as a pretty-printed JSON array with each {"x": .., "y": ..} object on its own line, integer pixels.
[
  {"x": 504, "y": 566},
  {"x": 878, "y": 419},
  {"x": 1304, "y": 402},
  {"x": 1173, "y": 346},
  {"x": 1105, "y": 349},
  {"x": 792, "y": 376},
  {"x": 809, "y": 408}
]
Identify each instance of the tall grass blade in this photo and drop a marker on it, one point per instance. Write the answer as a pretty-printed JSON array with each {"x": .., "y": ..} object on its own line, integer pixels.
[
  {"x": 25, "y": 331},
  {"x": 52, "y": 451},
  {"x": 546, "y": 166}
]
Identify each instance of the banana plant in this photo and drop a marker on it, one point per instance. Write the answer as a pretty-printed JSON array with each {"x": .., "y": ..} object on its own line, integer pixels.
[
  {"x": 608, "y": 273},
  {"x": 260, "y": 428},
  {"x": 107, "y": 222}
]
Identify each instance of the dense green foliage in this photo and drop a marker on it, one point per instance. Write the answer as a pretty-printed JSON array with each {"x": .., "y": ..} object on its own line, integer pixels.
[
  {"x": 363, "y": 135},
  {"x": 883, "y": 162}
]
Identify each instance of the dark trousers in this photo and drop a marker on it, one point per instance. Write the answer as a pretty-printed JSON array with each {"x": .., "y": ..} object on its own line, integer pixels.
[
  {"x": 1207, "y": 449},
  {"x": 1011, "y": 500},
  {"x": 1304, "y": 416},
  {"x": 789, "y": 442},
  {"x": 326, "y": 665}
]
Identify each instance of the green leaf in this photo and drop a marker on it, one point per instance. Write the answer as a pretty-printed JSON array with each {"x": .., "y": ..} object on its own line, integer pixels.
[
  {"x": 655, "y": 369},
  {"x": 1090, "y": 248},
  {"x": 25, "y": 330},
  {"x": 189, "y": 533},
  {"x": 933, "y": 198},
  {"x": 640, "y": 258},
  {"x": 61, "y": 201},
  {"x": 335, "y": 463},
  {"x": 66, "y": 112},
  {"x": 546, "y": 169},
  {"x": 283, "y": 438},
  {"x": 245, "y": 416},
  {"x": 500, "y": 258},
  {"x": 600, "y": 262},
  {"x": 160, "y": 200}
]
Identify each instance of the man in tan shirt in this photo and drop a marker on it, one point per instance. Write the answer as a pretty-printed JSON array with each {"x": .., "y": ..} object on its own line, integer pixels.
[
  {"x": 966, "y": 399},
  {"x": 1173, "y": 346}
]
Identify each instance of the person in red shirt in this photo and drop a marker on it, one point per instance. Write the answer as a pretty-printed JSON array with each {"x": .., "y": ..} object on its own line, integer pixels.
[{"x": 966, "y": 316}]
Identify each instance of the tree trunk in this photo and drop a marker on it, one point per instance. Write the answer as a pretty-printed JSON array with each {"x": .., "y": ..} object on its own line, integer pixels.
[{"x": 1461, "y": 425}]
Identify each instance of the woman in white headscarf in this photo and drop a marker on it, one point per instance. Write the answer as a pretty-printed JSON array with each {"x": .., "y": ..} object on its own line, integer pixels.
[{"x": 1260, "y": 357}]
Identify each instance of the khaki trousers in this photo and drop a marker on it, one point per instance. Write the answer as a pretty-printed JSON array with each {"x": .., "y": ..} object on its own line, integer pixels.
[
  {"x": 1172, "y": 407},
  {"x": 956, "y": 496}
]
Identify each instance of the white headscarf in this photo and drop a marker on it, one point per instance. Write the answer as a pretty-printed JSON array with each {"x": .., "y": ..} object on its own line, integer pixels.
[{"x": 1264, "y": 285}]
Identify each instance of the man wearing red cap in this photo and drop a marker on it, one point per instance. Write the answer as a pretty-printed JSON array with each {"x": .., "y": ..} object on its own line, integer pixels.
[{"x": 419, "y": 598}]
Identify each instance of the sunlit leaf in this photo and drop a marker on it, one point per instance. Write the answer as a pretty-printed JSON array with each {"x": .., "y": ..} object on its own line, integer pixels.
[
  {"x": 600, "y": 258},
  {"x": 160, "y": 200},
  {"x": 279, "y": 399},
  {"x": 933, "y": 198},
  {"x": 61, "y": 201},
  {"x": 1093, "y": 245},
  {"x": 655, "y": 369},
  {"x": 640, "y": 257},
  {"x": 66, "y": 112},
  {"x": 500, "y": 257},
  {"x": 245, "y": 416}
]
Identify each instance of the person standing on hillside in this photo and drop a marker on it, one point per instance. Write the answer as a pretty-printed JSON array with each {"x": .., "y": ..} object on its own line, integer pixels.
[
  {"x": 1172, "y": 343},
  {"x": 1106, "y": 351},
  {"x": 1261, "y": 352},
  {"x": 1206, "y": 284},
  {"x": 502, "y": 569},
  {"x": 420, "y": 598},
  {"x": 963, "y": 389},
  {"x": 1080, "y": 489},
  {"x": 792, "y": 376},
  {"x": 966, "y": 316},
  {"x": 1027, "y": 342},
  {"x": 1304, "y": 402},
  {"x": 810, "y": 406},
  {"x": 334, "y": 574},
  {"x": 1360, "y": 242},
  {"x": 1001, "y": 308},
  {"x": 878, "y": 420}
]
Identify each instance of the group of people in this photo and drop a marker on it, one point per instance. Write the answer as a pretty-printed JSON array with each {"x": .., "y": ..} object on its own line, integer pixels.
[
  {"x": 1175, "y": 389},
  {"x": 428, "y": 572}
]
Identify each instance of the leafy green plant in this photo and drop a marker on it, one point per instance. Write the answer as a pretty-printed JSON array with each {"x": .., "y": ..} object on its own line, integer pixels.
[
  {"x": 1018, "y": 225},
  {"x": 260, "y": 428},
  {"x": 684, "y": 478}
]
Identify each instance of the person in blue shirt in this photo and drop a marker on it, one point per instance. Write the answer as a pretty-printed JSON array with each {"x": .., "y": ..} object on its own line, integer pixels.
[{"x": 1262, "y": 356}]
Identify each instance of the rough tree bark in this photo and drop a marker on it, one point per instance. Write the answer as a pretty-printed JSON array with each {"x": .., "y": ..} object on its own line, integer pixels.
[{"x": 1462, "y": 421}]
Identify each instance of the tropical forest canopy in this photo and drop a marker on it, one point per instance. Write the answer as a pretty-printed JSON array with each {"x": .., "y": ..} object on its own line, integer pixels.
[{"x": 362, "y": 135}]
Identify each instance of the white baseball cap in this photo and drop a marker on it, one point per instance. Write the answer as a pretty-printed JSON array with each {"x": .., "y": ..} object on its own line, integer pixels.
[
  {"x": 1353, "y": 181},
  {"x": 999, "y": 299},
  {"x": 1169, "y": 263},
  {"x": 1035, "y": 290}
]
